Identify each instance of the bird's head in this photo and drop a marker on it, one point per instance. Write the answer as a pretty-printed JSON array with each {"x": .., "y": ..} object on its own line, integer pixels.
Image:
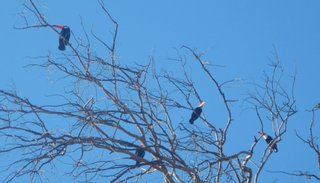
[
  {"x": 261, "y": 133},
  {"x": 201, "y": 104}
]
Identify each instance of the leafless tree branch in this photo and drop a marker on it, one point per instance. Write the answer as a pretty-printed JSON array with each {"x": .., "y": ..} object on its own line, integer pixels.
[{"x": 108, "y": 111}]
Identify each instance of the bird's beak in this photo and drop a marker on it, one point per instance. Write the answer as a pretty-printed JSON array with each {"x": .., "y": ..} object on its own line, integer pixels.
[
  {"x": 58, "y": 26},
  {"x": 201, "y": 104}
]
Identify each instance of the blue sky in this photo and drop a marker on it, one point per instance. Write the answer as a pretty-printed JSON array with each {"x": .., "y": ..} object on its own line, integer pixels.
[{"x": 240, "y": 35}]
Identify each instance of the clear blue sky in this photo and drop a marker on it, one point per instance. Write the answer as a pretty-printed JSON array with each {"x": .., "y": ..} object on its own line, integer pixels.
[{"x": 239, "y": 35}]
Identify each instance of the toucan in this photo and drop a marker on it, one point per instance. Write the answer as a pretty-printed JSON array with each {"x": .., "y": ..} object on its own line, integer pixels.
[
  {"x": 269, "y": 140},
  {"x": 139, "y": 153},
  {"x": 64, "y": 36},
  {"x": 196, "y": 113}
]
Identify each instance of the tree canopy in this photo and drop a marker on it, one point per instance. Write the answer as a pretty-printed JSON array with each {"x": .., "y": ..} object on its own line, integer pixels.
[{"x": 117, "y": 122}]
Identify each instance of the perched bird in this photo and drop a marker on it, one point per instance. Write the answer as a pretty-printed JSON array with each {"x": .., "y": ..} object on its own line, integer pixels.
[
  {"x": 196, "y": 113},
  {"x": 64, "y": 36},
  {"x": 140, "y": 153},
  {"x": 269, "y": 140}
]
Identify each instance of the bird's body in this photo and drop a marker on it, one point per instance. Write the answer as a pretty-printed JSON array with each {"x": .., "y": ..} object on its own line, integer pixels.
[
  {"x": 139, "y": 153},
  {"x": 196, "y": 113},
  {"x": 269, "y": 141},
  {"x": 64, "y": 37}
]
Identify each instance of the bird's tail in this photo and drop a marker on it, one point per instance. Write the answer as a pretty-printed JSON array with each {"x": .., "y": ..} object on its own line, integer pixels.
[
  {"x": 62, "y": 47},
  {"x": 191, "y": 121}
]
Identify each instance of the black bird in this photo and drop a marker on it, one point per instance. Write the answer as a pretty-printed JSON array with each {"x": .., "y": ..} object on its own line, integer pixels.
[
  {"x": 64, "y": 37},
  {"x": 196, "y": 113},
  {"x": 140, "y": 153},
  {"x": 270, "y": 141}
]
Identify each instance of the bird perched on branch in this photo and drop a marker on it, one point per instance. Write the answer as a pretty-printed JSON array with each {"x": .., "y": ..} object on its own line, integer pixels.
[
  {"x": 140, "y": 152},
  {"x": 270, "y": 141},
  {"x": 64, "y": 36},
  {"x": 196, "y": 113}
]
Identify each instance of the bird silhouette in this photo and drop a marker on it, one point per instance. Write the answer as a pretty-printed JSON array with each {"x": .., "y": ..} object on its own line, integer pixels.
[
  {"x": 63, "y": 37},
  {"x": 196, "y": 113},
  {"x": 269, "y": 141},
  {"x": 140, "y": 152}
]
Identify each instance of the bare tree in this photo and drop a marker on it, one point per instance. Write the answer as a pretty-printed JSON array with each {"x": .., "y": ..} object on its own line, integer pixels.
[
  {"x": 118, "y": 123},
  {"x": 312, "y": 142},
  {"x": 274, "y": 101}
]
